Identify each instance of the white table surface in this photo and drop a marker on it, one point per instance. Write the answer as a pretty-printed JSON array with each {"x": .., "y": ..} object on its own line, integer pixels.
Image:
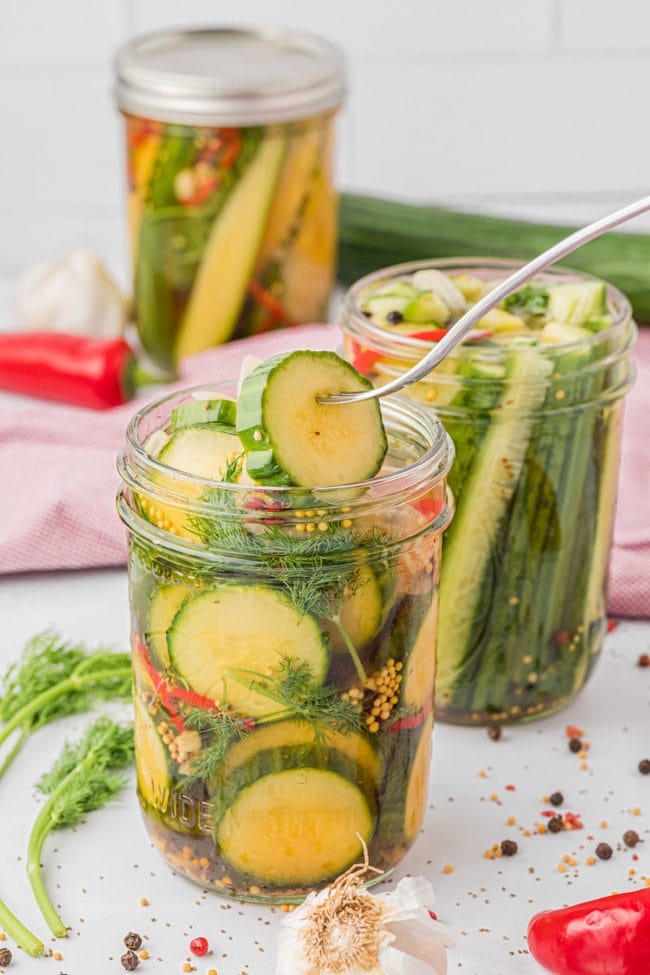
[{"x": 100, "y": 871}]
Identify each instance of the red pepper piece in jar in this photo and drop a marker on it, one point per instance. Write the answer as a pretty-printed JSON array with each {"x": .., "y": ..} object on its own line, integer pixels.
[
  {"x": 608, "y": 935},
  {"x": 97, "y": 373}
]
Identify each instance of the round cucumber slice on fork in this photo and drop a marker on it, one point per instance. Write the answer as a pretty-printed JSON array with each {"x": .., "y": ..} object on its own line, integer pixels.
[{"x": 291, "y": 438}]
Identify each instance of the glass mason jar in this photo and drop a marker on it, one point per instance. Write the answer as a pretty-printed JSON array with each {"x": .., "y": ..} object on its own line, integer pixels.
[
  {"x": 231, "y": 202},
  {"x": 284, "y": 659},
  {"x": 537, "y": 435}
]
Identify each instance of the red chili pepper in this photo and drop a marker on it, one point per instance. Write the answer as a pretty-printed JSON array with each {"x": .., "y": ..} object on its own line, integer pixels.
[
  {"x": 429, "y": 507},
  {"x": 160, "y": 687},
  {"x": 97, "y": 373},
  {"x": 363, "y": 359},
  {"x": 410, "y": 721},
  {"x": 609, "y": 935},
  {"x": 429, "y": 335},
  {"x": 276, "y": 312}
]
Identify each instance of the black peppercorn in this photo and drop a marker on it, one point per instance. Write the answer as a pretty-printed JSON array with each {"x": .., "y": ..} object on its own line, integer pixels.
[
  {"x": 556, "y": 799},
  {"x": 130, "y": 961},
  {"x": 509, "y": 848},
  {"x": 555, "y": 825},
  {"x": 133, "y": 940},
  {"x": 644, "y": 766},
  {"x": 575, "y": 745},
  {"x": 394, "y": 317},
  {"x": 5, "y": 957},
  {"x": 631, "y": 837},
  {"x": 604, "y": 851},
  {"x": 644, "y": 660},
  {"x": 494, "y": 731}
]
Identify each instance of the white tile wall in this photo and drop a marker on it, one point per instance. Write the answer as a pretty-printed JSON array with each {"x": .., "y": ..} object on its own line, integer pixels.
[{"x": 530, "y": 108}]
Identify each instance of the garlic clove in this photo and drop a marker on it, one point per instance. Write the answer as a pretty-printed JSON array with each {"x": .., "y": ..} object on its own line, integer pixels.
[{"x": 75, "y": 294}]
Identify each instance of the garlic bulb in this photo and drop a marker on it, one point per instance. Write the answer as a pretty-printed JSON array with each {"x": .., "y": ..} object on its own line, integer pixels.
[
  {"x": 75, "y": 294},
  {"x": 346, "y": 930}
]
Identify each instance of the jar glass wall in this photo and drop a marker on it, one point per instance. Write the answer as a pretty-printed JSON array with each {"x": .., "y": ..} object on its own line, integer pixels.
[
  {"x": 284, "y": 660},
  {"x": 537, "y": 435}
]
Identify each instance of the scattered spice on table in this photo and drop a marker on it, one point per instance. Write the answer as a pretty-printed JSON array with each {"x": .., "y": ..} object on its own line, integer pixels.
[
  {"x": 556, "y": 825},
  {"x": 644, "y": 766},
  {"x": 509, "y": 848},
  {"x": 494, "y": 732},
  {"x": 604, "y": 851},
  {"x": 644, "y": 660},
  {"x": 575, "y": 745},
  {"x": 133, "y": 940},
  {"x": 556, "y": 799},
  {"x": 631, "y": 837},
  {"x": 5, "y": 957},
  {"x": 130, "y": 961},
  {"x": 199, "y": 946}
]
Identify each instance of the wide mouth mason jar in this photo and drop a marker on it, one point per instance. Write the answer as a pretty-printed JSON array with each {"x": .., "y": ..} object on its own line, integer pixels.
[
  {"x": 231, "y": 201},
  {"x": 284, "y": 658},
  {"x": 537, "y": 431}
]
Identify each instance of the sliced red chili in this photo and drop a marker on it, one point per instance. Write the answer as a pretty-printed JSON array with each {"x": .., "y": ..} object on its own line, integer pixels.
[{"x": 363, "y": 359}]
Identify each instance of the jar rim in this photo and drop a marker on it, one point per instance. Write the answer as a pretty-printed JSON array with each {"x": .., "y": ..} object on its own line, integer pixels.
[
  {"x": 353, "y": 321},
  {"x": 142, "y": 473},
  {"x": 229, "y": 76}
]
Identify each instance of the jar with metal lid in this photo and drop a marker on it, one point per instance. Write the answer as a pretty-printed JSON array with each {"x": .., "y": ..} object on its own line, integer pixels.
[
  {"x": 231, "y": 202},
  {"x": 283, "y": 652},
  {"x": 533, "y": 401}
]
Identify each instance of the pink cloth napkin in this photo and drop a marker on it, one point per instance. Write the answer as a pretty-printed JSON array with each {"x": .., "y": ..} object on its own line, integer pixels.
[{"x": 58, "y": 462}]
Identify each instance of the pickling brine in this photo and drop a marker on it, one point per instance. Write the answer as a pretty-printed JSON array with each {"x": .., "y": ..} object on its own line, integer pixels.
[{"x": 283, "y": 635}]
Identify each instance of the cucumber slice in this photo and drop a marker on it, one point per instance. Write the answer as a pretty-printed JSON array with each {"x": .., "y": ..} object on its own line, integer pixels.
[
  {"x": 164, "y": 605},
  {"x": 295, "y": 825},
  {"x": 575, "y": 302},
  {"x": 201, "y": 411},
  {"x": 381, "y": 306},
  {"x": 419, "y": 671},
  {"x": 231, "y": 628},
  {"x": 484, "y": 503},
  {"x": 291, "y": 438},
  {"x": 427, "y": 307},
  {"x": 360, "y": 615},
  {"x": 290, "y": 734},
  {"x": 220, "y": 285},
  {"x": 404, "y": 289},
  {"x": 151, "y": 759},
  {"x": 497, "y": 320},
  {"x": 559, "y": 333},
  {"x": 418, "y": 783},
  {"x": 201, "y": 451}
]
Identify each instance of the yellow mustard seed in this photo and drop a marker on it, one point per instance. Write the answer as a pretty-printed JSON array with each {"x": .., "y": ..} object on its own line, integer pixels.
[
  {"x": 560, "y": 394},
  {"x": 144, "y": 902},
  {"x": 346, "y": 523},
  {"x": 144, "y": 954},
  {"x": 57, "y": 956},
  {"x": 300, "y": 528},
  {"x": 322, "y": 526},
  {"x": 561, "y": 868},
  {"x": 300, "y": 513},
  {"x": 311, "y": 527},
  {"x": 310, "y": 513},
  {"x": 187, "y": 967},
  {"x": 590, "y": 861},
  {"x": 448, "y": 868},
  {"x": 511, "y": 820}
]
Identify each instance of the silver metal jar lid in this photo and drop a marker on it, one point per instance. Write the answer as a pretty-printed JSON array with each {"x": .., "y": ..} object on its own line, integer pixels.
[{"x": 225, "y": 76}]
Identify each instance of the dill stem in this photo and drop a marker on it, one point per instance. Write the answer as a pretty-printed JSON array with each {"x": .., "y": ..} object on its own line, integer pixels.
[
  {"x": 43, "y": 824},
  {"x": 352, "y": 650},
  {"x": 73, "y": 683},
  {"x": 9, "y": 757},
  {"x": 15, "y": 928}
]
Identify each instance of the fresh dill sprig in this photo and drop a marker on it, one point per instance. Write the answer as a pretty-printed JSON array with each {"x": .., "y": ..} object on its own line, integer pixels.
[
  {"x": 530, "y": 300},
  {"x": 85, "y": 776},
  {"x": 299, "y": 697},
  {"x": 53, "y": 679},
  {"x": 218, "y": 729}
]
